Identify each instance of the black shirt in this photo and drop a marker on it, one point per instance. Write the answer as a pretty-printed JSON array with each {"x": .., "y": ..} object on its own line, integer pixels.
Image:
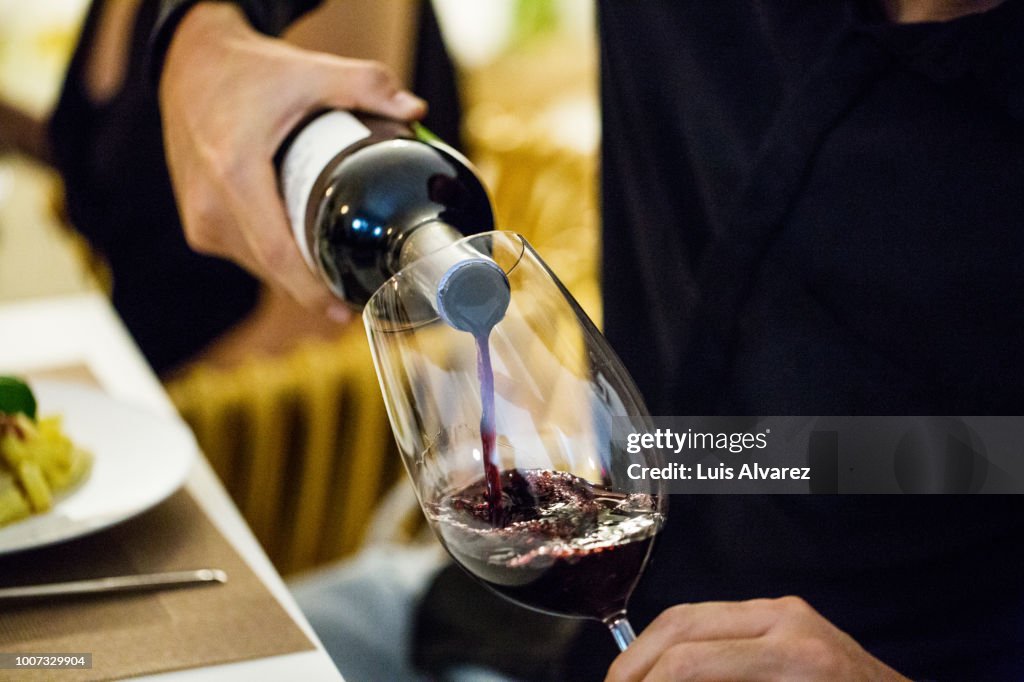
[{"x": 808, "y": 211}]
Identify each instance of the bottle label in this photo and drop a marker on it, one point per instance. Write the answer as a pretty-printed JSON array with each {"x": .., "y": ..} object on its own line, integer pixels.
[{"x": 313, "y": 148}]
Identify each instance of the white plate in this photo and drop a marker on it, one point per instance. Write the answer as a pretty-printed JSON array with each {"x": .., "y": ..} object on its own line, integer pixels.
[{"x": 139, "y": 459}]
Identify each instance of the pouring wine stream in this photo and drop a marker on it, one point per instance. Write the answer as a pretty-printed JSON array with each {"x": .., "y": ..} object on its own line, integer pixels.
[{"x": 473, "y": 297}]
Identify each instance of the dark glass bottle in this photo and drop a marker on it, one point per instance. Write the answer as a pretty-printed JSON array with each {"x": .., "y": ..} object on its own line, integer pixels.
[{"x": 366, "y": 196}]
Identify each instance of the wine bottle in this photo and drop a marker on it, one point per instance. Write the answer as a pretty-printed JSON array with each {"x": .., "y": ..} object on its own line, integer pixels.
[{"x": 367, "y": 196}]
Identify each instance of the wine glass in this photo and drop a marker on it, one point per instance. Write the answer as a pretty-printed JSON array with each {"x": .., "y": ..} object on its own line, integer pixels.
[{"x": 524, "y": 485}]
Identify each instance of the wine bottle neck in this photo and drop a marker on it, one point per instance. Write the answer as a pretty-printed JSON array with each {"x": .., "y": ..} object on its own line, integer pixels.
[{"x": 425, "y": 239}]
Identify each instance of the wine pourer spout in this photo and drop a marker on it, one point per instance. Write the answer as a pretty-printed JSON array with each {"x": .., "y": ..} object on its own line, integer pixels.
[{"x": 469, "y": 290}]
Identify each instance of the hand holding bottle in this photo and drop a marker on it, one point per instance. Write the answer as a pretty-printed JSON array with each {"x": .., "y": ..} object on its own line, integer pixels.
[{"x": 228, "y": 97}]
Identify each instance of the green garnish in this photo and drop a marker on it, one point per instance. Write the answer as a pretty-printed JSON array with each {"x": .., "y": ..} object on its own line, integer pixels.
[{"x": 15, "y": 397}]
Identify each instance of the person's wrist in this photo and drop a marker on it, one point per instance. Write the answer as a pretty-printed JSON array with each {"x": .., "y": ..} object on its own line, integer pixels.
[
  {"x": 188, "y": 22},
  {"x": 203, "y": 26},
  {"x": 269, "y": 17}
]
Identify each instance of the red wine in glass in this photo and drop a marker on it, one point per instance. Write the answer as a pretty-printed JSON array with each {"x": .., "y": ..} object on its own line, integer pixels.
[{"x": 564, "y": 546}]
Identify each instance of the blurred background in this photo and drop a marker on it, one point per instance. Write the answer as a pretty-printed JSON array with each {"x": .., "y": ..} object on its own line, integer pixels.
[{"x": 285, "y": 405}]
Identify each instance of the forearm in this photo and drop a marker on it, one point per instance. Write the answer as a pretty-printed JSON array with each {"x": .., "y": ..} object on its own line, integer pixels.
[
  {"x": 267, "y": 16},
  {"x": 229, "y": 95}
]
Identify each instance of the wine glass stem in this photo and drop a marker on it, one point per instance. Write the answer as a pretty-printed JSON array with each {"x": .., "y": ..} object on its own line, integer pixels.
[{"x": 621, "y": 630}]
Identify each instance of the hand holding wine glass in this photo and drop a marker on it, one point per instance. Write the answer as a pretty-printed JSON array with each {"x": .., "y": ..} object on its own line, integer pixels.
[{"x": 759, "y": 639}]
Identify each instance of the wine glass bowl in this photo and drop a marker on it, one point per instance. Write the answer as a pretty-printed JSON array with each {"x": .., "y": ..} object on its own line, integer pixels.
[{"x": 507, "y": 437}]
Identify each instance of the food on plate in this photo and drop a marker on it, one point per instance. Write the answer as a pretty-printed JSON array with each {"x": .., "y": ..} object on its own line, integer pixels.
[{"x": 37, "y": 460}]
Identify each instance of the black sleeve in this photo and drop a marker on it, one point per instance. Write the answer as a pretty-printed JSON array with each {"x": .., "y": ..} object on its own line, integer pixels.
[{"x": 267, "y": 16}]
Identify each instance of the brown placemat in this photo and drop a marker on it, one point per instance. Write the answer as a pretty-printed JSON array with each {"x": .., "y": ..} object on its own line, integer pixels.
[{"x": 144, "y": 633}]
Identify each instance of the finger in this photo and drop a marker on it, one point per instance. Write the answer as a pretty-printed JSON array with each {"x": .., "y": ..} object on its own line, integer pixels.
[
  {"x": 739, "y": 660},
  {"x": 271, "y": 245},
  {"x": 368, "y": 86},
  {"x": 694, "y": 623}
]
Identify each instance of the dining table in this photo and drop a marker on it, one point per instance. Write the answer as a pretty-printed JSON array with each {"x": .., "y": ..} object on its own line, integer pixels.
[{"x": 249, "y": 628}]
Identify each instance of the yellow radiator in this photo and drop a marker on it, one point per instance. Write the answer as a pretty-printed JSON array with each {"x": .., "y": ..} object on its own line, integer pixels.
[{"x": 301, "y": 442}]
